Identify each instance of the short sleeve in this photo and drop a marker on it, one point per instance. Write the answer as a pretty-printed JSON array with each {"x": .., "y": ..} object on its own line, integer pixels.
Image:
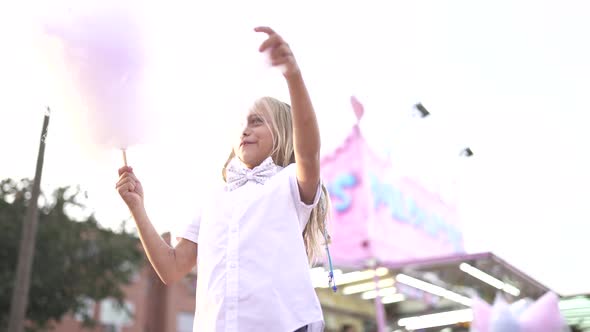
[
  {"x": 189, "y": 231},
  {"x": 303, "y": 210}
]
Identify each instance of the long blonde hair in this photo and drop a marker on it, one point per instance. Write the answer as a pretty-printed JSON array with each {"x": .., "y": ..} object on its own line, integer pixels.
[{"x": 283, "y": 154}]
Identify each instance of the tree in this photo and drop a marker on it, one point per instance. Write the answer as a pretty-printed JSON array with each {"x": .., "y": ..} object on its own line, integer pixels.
[{"x": 74, "y": 260}]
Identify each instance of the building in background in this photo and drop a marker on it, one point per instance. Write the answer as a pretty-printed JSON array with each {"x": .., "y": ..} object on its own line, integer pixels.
[{"x": 150, "y": 306}]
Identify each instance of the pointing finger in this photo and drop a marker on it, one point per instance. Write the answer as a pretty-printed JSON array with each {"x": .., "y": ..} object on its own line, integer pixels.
[{"x": 264, "y": 29}]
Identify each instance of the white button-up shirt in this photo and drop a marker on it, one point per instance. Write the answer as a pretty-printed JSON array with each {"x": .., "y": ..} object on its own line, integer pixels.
[{"x": 253, "y": 273}]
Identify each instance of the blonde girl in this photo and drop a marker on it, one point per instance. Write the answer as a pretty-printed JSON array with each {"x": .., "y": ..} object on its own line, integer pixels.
[{"x": 255, "y": 239}]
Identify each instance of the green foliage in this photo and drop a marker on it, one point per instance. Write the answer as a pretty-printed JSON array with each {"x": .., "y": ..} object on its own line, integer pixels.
[{"x": 74, "y": 260}]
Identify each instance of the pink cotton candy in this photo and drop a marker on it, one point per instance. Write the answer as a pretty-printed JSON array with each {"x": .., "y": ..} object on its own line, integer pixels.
[
  {"x": 104, "y": 52},
  {"x": 542, "y": 315}
]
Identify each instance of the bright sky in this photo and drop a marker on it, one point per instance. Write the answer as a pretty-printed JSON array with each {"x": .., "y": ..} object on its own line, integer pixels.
[{"x": 510, "y": 79}]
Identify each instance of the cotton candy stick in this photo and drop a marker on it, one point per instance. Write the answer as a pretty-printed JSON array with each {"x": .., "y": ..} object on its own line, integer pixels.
[{"x": 124, "y": 156}]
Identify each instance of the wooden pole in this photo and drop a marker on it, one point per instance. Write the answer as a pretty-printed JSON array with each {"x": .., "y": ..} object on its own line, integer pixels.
[{"x": 20, "y": 294}]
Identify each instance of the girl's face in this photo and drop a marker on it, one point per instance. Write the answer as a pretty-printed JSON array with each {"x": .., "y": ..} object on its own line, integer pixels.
[{"x": 255, "y": 141}]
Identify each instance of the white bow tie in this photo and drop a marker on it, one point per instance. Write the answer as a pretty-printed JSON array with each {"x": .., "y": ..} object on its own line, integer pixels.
[{"x": 237, "y": 174}]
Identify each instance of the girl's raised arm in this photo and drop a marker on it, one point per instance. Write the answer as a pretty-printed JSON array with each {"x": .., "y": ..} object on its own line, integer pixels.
[{"x": 306, "y": 133}]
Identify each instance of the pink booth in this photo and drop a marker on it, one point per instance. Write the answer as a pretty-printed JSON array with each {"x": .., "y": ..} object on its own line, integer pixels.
[{"x": 377, "y": 216}]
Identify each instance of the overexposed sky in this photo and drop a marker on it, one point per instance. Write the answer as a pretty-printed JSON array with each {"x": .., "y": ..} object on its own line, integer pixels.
[{"x": 509, "y": 79}]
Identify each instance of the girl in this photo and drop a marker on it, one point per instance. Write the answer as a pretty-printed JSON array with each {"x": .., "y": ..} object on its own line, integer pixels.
[{"x": 253, "y": 244}]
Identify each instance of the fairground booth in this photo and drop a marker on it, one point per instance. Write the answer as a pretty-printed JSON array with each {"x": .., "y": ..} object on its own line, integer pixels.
[{"x": 398, "y": 256}]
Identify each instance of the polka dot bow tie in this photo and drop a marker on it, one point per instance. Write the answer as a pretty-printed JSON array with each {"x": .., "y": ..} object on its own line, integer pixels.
[{"x": 237, "y": 174}]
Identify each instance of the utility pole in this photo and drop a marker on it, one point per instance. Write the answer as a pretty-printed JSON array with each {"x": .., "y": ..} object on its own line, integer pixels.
[{"x": 20, "y": 294}]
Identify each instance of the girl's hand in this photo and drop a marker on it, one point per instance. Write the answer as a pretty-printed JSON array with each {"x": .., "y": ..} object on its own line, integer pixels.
[
  {"x": 279, "y": 51},
  {"x": 130, "y": 188}
]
